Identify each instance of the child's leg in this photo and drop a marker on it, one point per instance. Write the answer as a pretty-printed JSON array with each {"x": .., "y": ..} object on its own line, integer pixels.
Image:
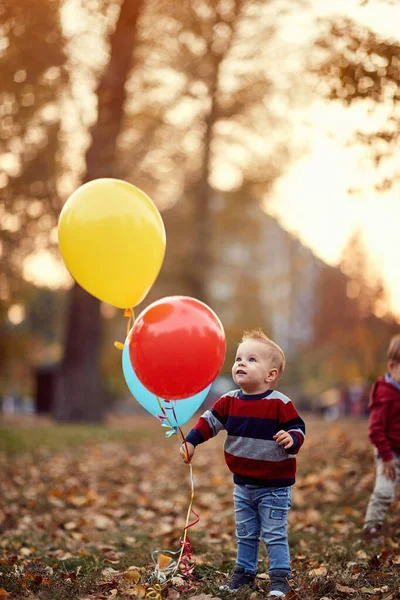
[
  {"x": 273, "y": 510},
  {"x": 248, "y": 528},
  {"x": 382, "y": 496}
]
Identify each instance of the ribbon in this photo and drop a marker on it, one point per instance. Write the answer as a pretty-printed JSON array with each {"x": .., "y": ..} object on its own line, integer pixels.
[
  {"x": 155, "y": 592},
  {"x": 186, "y": 551},
  {"x": 129, "y": 313}
]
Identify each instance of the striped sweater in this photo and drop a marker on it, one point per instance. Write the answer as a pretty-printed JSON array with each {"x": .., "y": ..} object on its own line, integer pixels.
[{"x": 251, "y": 421}]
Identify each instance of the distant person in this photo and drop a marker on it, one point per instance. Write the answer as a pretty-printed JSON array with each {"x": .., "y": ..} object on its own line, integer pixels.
[
  {"x": 264, "y": 435},
  {"x": 384, "y": 433}
]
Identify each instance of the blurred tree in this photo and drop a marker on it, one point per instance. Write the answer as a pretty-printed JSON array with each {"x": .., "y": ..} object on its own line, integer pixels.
[
  {"x": 202, "y": 115},
  {"x": 31, "y": 82},
  {"x": 80, "y": 393},
  {"x": 209, "y": 35},
  {"x": 332, "y": 311},
  {"x": 364, "y": 284},
  {"x": 352, "y": 323},
  {"x": 30, "y": 333},
  {"x": 355, "y": 65},
  {"x": 220, "y": 131}
]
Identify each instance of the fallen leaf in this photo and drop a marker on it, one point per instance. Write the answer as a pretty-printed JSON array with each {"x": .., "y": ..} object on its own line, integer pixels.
[
  {"x": 130, "y": 540},
  {"x": 319, "y": 572},
  {"x": 177, "y": 581},
  {"x": 203, "y": 597},
  {"x": 109, "y": 571},
  {"x": 3, "y": 593},
  {"x": 138, "y": 591},
  {"x": 344, "y": 589},
  {"x": 101, "y": 522},
  {"x": 131, "y": 575}
]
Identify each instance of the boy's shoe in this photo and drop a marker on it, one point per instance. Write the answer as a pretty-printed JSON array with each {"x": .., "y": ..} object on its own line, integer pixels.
[
  {"x": 372, "y": 532},
  {"x": 279, "y": 586},
  {"x": 238, "y": 579}
]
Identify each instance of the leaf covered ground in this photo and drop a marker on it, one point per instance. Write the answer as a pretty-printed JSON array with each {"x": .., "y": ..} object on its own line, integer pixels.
[{"x": 82, "y": 509}]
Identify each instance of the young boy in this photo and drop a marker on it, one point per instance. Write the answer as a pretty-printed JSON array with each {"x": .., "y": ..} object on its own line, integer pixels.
[
  {"x": 264, "y": 435},
  {"x": 384, "y": 433}
]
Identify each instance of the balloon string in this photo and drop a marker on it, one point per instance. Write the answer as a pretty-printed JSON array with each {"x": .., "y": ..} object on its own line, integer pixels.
[
  {"x": 131, "y": 319},
  {"x": 129, "y": 312},
  {"x": 185, "y": 553}
]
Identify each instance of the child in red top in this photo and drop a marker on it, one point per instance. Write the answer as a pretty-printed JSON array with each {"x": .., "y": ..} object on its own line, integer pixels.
[{"x": 384, "y": 433}]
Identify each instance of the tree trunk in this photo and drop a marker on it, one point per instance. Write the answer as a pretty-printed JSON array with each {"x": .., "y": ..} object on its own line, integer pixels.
[
  {"x": 80, "y": 394},
  {"x": 200, "y": 258}
]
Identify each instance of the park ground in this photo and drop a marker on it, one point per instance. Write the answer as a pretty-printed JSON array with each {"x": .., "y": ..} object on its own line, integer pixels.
[{"x": 83, "y": 507}]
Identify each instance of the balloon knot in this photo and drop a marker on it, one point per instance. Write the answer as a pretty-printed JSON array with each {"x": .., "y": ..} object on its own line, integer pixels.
[{"x": 119, "y": 345}]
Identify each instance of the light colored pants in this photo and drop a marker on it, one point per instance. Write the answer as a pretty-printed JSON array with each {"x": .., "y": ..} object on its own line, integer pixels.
[{"x": 383, "y": 495}]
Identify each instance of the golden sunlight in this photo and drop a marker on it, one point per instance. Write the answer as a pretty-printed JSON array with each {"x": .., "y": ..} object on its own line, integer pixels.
[
  {"x": 16, "y": 314},
  {"x": 44, "y": 269},
  {"x": 329, "y": 193}
]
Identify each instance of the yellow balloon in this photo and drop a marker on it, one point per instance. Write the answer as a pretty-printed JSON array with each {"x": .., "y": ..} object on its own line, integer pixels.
[{"x": 112, "y": 239}]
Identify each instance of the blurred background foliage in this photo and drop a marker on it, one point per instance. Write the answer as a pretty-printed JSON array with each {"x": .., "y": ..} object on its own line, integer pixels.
[{"x": 193, "y": 103}]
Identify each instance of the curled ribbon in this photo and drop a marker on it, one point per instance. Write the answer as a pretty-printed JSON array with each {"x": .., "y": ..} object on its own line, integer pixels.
[
  {"x": 155, "y": 592},
  {"x": 184, "y": 563}
]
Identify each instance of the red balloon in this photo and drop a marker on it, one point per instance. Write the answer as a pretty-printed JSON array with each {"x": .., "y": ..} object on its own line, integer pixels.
[{"x": 177, "y": 347}]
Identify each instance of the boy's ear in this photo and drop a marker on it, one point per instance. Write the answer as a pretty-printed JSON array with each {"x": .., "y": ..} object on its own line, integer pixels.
[
  {"x": 392, "y": 364},
  {"x": 272, "y": 375}
]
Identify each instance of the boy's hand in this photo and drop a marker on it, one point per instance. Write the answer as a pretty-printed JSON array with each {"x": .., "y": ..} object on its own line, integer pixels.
[
  {"x": 389, "y": 469},
  {"x": 284, "y": 439},
  {"x": 187, "y": 447}
]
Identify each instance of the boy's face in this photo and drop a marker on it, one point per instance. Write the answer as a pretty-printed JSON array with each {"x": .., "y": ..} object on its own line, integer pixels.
[
  {"x": 253, "y": 370},
  {"x": 394, "y": 370}
]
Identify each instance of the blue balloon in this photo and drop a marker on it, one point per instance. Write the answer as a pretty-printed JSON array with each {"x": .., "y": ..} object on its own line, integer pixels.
[{"x": 183, "y": 409}]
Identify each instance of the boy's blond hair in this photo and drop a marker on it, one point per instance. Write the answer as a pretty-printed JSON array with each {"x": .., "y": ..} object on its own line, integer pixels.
[
  {"x": 277, "y": 355},
  {"x": 394, "y": 349}
]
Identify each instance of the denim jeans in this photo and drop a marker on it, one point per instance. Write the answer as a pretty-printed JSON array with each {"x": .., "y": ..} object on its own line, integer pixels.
[{"x": 262, "y": 511}]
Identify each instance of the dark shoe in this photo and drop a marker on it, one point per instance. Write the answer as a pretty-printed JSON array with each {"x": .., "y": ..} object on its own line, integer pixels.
[
  {"x": 372, "y": 532},
  {"x": 238, "y": 579},
  {"x": 279, "y": 586}
]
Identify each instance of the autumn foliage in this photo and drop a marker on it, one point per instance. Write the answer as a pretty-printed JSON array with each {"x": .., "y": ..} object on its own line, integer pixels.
[{"x": 81, "y": 521}]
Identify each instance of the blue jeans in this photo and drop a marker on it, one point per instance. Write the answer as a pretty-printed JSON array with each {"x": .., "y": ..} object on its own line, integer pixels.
[{"x": 262, "y": 511}]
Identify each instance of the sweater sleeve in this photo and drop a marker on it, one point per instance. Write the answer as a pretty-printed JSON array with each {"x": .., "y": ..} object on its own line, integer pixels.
[
  {"x": 290, "y": 421},
  {"x": 210, "y": 423},
  {"x": 379, "y": 408}
]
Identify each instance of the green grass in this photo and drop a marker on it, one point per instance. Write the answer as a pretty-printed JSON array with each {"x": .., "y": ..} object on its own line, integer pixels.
[{"x": 17, "y": 440}]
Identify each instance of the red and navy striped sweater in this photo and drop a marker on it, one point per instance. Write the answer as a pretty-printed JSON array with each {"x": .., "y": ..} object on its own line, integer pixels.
[{"x": 251, "y": 421}]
